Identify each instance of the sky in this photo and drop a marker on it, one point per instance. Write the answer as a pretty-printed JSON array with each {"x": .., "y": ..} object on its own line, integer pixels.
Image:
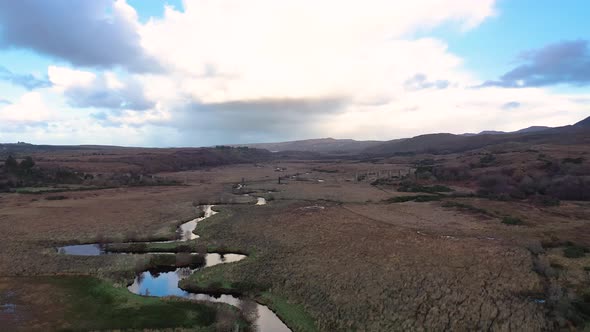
[{"x": 209, "y": 72}]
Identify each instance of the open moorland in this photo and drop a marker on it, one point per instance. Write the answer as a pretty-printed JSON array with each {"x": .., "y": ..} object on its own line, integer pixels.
[{"x": 490, "y": 238}]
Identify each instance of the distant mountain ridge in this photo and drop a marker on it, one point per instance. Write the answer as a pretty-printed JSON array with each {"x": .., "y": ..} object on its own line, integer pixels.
[
  {"x": 322, "y": 145},
  {"x": 449, "y": 143},
  {"x": 583, "y": 123},
  {"x": 496, "y": 132},
  {"x": 440, "y": 143},
  {"x": 434, "y": 143}
]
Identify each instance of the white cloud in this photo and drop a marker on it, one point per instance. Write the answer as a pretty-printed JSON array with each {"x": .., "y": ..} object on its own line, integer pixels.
[
  {"x": 457, "y": 110},
  {"x": 63, "y": 78},
  {"x": 228, "y": 53},
  {"x": 28, "y": 110},
  {"x": 273, "y": 70},
  {"x": 233, "y": 50}
]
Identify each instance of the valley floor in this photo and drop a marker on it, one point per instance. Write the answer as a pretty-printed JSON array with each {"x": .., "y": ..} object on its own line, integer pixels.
[{"x": 327, "y": 253}]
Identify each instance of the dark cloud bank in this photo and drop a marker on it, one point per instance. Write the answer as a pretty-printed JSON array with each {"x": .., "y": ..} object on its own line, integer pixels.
[
  {"x": 566, "y": 62},
  {"x": 84, "y": 33},
  {"x": 130, "y": 96}
]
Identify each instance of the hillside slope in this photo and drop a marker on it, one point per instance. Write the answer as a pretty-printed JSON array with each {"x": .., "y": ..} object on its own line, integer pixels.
[
  {"x": 578, "y": 133},
  {"x": 321, "y": 145}
]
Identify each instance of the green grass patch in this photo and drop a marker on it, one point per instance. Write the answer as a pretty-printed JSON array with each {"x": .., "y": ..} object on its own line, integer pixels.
[
  {"x": 416, "y": 188},
  {"x": 556, "y": 266},
  {"x": 325, "y": 170},
  {"x": 467, "y": 207},
  {"x": 56, "y": 198},
  {"x": 574, "y": 251},
  {"x": 172, "y": 261},
  {"x": 44, "y": 190},
  {"x": 578, "y": 160},
  {"x": 415, "y": 198},
  {"x": 168, "y": 247},
  {"x": 93, "y": 304},
  {"x": 547, "y": 201},
  {"x": 512, "y": 221},
  {"x": 294, "y": 315},
  {"x": 211, "y": 280}
]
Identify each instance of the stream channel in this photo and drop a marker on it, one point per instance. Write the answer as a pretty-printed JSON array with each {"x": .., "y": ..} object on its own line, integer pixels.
[{"x": 165, "y": 283}]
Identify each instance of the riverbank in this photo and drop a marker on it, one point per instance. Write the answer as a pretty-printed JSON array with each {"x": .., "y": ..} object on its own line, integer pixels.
[
  {"x": 162, "y": 275},
  {"x": 87, "y": 303}
]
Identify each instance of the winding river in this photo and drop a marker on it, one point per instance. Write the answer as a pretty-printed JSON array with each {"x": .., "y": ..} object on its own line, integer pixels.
[{"x": 162, "y": 284}]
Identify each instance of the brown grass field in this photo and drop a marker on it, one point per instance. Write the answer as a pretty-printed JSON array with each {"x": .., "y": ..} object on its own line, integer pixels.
[{"x": 327, "y": 253}]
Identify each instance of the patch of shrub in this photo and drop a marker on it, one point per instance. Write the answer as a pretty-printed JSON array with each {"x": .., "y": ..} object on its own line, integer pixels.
[
  {"x": 56, "y": 198},
  {"x": 570, "y": 187},
  {"x": 424, "y": 169},
  {"x": 424, "y": 198},
  {"x": 487, "y": 159},
  {"x": 424, "y": 175},
  {"x": 184, "y": 248},
  {"x": 249, "y": 287},
  {"x": 505, "y": 197},
  {"x": 417, "y": 198},
  {"x": 578, "y": 160},
  {"x": 494, "y": 185},
  {"x": 325, "y": 170},
  {"x": 440, "y": 188},
  {"x": 215, "y": 285},
  {"x": 542, "y": 268},
  {"x": 574, "y": 251},
  {"x": 535, "y": 248},
  {"x": 187, "y": 259},
  {"x": 582, "y": 309},
  {"x": 383, "y": 181},
  {"x": 512, "y": 221},
  {"x": 67, "y": 176},
  {"x": 552, "y": 167},
  {"x": 467, "y": 207},
  {"x": 10, "y": 164},
  {"x": 400, "y": 199},
  {"x": 527, "y": 185},
  {"x": 425, "y": 162},
  {"x": 544, "y": 200},
  {"x": 452, "y": 173},
  {"x": 138, "y": 247},
  {"x": 415, "y": 188}
]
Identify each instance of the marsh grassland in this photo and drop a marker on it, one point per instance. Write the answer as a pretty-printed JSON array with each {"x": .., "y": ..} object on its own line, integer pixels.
[{"x": 330, "y": 251}]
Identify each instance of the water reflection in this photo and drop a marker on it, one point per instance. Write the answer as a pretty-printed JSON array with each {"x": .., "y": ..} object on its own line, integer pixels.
[
  {"x": 162, "y": 284},
  {"x": 249, "y": 309},
  {"x": 164, "y": 281},
  {"x": 94, "y": 249},
  {"x": 186, "y": 230}
]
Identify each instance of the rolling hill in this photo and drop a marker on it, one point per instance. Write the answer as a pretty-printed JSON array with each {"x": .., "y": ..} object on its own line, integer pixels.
[
  {"x": 578, "y": 133},
  {"x": 321, "y": 145}
]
